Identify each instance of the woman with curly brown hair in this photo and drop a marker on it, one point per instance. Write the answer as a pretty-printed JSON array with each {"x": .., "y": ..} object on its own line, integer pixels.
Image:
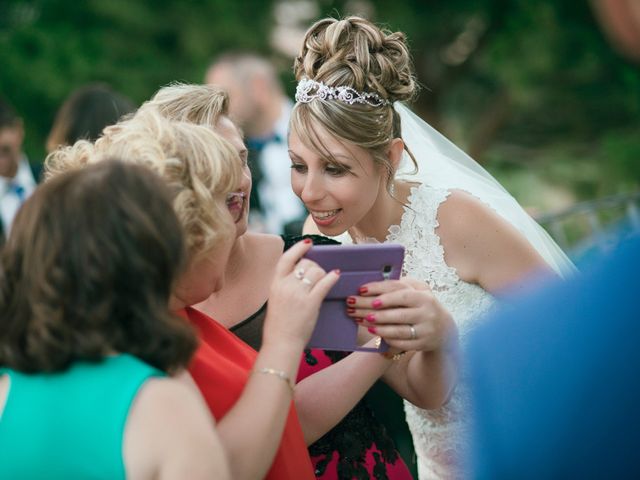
[{"x": 91, "y": 359}]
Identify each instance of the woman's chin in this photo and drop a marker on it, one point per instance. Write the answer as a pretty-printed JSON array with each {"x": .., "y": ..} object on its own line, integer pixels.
[{"x": 330, "y": 230}]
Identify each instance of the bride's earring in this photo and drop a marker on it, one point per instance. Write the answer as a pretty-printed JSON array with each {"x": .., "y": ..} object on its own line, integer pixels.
[{"x": 392, "y": 189}]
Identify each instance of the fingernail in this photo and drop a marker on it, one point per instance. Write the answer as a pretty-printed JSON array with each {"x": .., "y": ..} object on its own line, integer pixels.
[
  {"x": 363, "y": 290},
  {"x": 351, "y": 310},
  {"x": 371, "y": 318},
  {"x": 307, "y": 240},
  {"x": 372, "y": 329},
  {"x": 351, "y": 300},
  {"x": 377, "y": 303},
  {"x": 337, "y": 271},
  {"x": 358, "y": 320}
]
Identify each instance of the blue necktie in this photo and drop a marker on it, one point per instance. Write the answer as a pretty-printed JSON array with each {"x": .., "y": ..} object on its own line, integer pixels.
[
  {"x": 18, "y": 190},
  {"x": 258, "y": 143}
]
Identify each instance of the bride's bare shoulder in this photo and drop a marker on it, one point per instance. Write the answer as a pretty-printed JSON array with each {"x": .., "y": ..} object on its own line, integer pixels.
[
  {"x": 467, "y": 228},
  {"x": 463, "y": 213},
  {"x": 480, "y": 244}
]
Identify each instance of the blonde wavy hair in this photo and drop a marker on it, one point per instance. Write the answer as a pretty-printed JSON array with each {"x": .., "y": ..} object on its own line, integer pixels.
[
  {"x": 356, "y": 53},
  {"x": 200, "y": 167},
  {"x": 198, "y": 104}
]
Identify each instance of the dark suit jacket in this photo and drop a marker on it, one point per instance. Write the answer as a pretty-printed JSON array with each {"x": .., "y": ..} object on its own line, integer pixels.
[{"x": 555, "y": 379}]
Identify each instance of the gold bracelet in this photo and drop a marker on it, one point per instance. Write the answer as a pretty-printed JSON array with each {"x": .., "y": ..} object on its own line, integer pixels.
[
  {"x": 278, "y": 373},
  {"x": 393, "y": 356},
  {"x": 388, "y": 355}
]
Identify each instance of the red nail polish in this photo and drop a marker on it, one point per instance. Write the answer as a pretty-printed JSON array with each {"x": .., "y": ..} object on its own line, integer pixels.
[
  {"x": 351, "y": 300},
  {"x": 372, "y": 330},
  {"x": 377, "y": 303},
  {"x": 363, "y": 290},
  {"x": 358, "y": 320},
  {"x": 351, "y": 310},
  {"x": 307, "y": 240},
  {"x": 337, "y": 271},
  {"x": 371, "y": 318}
]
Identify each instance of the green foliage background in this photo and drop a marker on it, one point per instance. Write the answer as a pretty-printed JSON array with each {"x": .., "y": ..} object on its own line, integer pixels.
[
  {"x": 538, "y": 95},
  {"x": 50, "y": 47}
]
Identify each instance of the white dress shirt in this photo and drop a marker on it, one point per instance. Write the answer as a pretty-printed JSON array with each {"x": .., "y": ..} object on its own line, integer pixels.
[
  {"x": 279, "y": 203},
  {"x": 14, "y": 191}
]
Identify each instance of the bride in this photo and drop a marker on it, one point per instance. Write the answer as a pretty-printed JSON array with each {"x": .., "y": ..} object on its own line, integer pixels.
[{"x": 367, "y": 169}]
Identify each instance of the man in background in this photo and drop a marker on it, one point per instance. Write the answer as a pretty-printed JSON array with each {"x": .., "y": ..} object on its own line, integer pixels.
[
  {"x": 17, "y": 180},
  {"x": 261, "y": 109}
]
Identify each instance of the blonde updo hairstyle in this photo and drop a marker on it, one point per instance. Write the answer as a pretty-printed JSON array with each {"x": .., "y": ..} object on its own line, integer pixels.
[
  {"x": 354, "y": 52},
  {"x": 199, "y": 166},
  {"x": 199, "y": 104}
]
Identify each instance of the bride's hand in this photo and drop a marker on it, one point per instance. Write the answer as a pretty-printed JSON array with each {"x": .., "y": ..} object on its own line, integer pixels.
[{"x": 405, "y": 313}]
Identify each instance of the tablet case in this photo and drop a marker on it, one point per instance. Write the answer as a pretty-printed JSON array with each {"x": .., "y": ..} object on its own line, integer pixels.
[{"x": 358, "y": 264}]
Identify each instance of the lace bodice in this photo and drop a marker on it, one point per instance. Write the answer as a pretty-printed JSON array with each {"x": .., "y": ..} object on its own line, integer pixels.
[
  {"x": 424, "y": 259},
  {"x": 438, "y": 434}
]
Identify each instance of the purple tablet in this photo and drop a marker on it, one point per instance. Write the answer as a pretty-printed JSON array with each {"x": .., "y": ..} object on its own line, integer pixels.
[{"x": 358, "y": 264}]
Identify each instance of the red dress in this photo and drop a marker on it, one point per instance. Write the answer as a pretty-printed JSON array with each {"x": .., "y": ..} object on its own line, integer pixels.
[{"x": 221, "y": 368}]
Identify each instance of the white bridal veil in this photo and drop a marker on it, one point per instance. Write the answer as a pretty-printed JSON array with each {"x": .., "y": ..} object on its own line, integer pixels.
[{"x": 443, "y": 165}]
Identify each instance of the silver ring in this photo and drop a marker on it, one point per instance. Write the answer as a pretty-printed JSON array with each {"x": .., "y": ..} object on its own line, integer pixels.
[
  {"x": 299, "y": 273},
  {"x": 414, "y": 335},
  {"x": 306, "y": 281}
]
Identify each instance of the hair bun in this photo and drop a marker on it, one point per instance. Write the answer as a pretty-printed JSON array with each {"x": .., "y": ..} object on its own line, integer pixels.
[{"x": 356, "y": 53}]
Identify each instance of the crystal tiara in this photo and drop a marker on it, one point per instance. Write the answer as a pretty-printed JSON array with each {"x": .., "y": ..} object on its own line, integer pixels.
[{"x": 308, "y": 90}]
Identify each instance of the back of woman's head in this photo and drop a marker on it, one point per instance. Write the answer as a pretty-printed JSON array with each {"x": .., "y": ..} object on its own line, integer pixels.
[
  {"x": 200, "y": 167},
  {"x": 71, "y": 157},
  {"x": 354, "y": 53},
  {"x": 88, "y": 269},
  {"x": 85, "y": 113},
  {"x": 199, "y": 104}
]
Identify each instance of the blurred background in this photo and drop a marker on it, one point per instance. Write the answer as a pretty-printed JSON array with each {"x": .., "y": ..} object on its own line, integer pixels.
[{"x": 545, "y": 94}]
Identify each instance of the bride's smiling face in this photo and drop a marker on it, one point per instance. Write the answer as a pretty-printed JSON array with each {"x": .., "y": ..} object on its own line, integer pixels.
[{"x": 339, "y": 188}]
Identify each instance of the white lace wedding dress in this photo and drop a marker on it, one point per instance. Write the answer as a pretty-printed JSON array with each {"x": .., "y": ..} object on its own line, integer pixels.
[{"x": 438, "y": 435}]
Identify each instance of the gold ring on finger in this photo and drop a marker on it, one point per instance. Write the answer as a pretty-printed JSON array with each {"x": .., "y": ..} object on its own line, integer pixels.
[{"x": 414, "y": 335}]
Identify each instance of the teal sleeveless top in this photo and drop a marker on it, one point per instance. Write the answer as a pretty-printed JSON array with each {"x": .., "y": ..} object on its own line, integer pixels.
[{"x": 69, "y": 424}]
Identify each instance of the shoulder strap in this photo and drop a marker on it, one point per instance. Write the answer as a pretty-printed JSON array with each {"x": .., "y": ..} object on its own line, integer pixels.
[
  {"x": 291, "y": 240},
  {"x": 424, "y": 255}
]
